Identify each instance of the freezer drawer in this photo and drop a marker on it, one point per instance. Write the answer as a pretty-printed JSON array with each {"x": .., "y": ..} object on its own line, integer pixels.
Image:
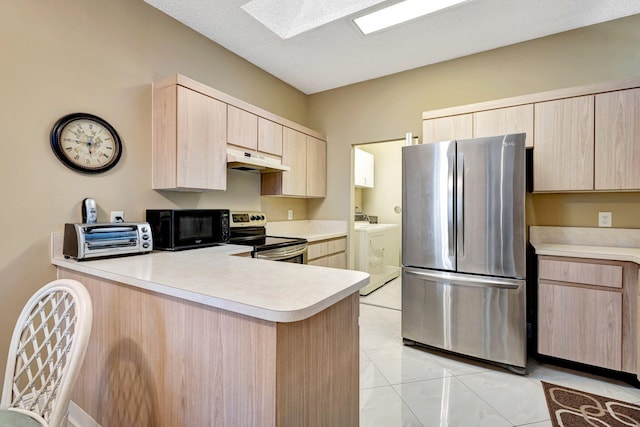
[{"x": 483, "y": 317}]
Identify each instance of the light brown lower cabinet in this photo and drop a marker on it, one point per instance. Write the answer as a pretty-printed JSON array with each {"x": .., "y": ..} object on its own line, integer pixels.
[
  {"x": 328, "y": 253},
  {"x": 587, "y": 311},
  {"x": 158, "y": 360}
]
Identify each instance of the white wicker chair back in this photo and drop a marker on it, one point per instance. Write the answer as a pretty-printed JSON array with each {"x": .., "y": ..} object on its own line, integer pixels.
[{"x": 46, "y": 351}]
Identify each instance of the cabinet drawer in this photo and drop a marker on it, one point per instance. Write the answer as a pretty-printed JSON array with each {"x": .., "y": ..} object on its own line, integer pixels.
[
  {"x": 317, "y": 250},
  {"x": 338, "y": 260},
  {"x": 320, "y": 262},
  {"x": 588, "y": 273},
  {"x": 336, "y": 245}
]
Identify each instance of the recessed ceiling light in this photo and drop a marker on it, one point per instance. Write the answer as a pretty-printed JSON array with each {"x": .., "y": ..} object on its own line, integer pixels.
[{"x": 400, "y": 12}]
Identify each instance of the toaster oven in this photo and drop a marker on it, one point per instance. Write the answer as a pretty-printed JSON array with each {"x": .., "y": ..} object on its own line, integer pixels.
[{"x": 85, "y": 241}]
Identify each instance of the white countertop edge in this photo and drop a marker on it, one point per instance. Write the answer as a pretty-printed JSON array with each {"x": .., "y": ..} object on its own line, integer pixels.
[
  {"x": 318, "y": 237},
  {"x": 356, "y": 279},
  {"x": 211, "y": 301},
  {"x": 583, "y": 251}
]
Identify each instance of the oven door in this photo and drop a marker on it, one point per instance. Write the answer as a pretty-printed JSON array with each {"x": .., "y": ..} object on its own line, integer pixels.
[{"x": 296, "y": 254}]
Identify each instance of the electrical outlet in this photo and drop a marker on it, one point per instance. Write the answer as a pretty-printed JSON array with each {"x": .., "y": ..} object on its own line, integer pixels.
[
  {"x": 290, "y": 214},
  {"x": 604, "y": 219},
  {"x": 117, "y": 216}
]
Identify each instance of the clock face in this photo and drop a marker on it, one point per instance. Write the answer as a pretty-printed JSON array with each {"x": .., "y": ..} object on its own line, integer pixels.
[{"x": 86, "y": 143}]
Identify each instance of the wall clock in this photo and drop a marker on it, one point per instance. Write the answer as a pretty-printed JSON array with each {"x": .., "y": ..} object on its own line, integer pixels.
[{"x": 86, "y": 143}]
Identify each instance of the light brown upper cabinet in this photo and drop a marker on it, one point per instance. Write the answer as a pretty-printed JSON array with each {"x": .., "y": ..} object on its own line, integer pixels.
[
  {"x": 316, "y": 167},
  {"x": 307, "y": 158},
  {"x": 294, "y": 155},
  {"x": 189, "y": 140},
  {"x": 447, "y": 128},
  {"x": 617, "y": 140},
  {"x": 242, "y": 128},
  {"x": 563, "y": 141},
  {"x": 269, "y": 137},
  {"x": 502, "y": 121}
]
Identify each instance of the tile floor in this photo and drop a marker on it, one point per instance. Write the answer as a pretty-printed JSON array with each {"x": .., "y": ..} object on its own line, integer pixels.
[{"x": 408, "y": 386}]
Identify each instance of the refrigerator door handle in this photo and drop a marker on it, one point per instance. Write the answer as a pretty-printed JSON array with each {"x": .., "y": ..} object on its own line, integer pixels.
[
  {"x": 465, "y": 280},
  {"x": 460, "y": 204},
  {"x": 450, "y": 205}
]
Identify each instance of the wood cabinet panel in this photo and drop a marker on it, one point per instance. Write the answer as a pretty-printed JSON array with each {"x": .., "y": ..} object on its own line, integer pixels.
[
  {"x": 564, "y": 145},
  {"x": 242, "y": 128},
  {"x": 319, "y": 262},
  {"x": 316, "y": 167},
  {"x": 617, "y": 140},
  {"x": 581, "y": 325},
  {"x": 269, "y": 137},
  {"x": 294, "y": 155},
  {"x": 588, "y": 272},
  {"x": 336, "y": 245},
  {"x": 145, "y": 350},
  {"x": 317, "y": 249},
  {"x": 447, "y": 128},
  {"x": 318, "y": 381},
  {"x": 189, "y": 141},
  {"x": 307, "y": 158},
  {"x": 338, "y": 260},
  {"x": 503, "y": 121},
  {"x": 202, "y": 159},
  {"x": 328, "y": 253}
]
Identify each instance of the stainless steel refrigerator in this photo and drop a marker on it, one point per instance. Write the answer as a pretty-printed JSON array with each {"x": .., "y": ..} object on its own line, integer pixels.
[{"x": 464, "y": 247}]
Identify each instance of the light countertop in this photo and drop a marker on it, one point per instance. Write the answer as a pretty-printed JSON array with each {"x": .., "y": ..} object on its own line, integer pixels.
[
  {"x": 583, "y": 242},
  {"x": 312, "y": 230},
  {"x": 269, "y": 290}
]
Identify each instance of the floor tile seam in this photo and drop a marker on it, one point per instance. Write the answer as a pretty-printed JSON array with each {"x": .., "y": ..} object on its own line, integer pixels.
[
  {"x": 374, "y": 387},
  {"x": 489, "y": 404},
  {"x": 532, "y": 423},
  {"x": 416, "y": 381},
  {"x": 405, "y": 403}
]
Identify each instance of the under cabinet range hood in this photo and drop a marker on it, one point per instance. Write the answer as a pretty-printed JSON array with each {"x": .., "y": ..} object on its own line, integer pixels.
[{"x": 246, "y": 161}]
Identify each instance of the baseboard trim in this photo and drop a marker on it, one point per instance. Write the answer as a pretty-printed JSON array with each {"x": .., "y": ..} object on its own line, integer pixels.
[{"x": 79, "y": 418}]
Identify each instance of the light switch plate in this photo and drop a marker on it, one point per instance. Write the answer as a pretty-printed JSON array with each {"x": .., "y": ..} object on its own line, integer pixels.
[
  {"x": 290, "y": 214},
  {"x": 604, "y": 219}
]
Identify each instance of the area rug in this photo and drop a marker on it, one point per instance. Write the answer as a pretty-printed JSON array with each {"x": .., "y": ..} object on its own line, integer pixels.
[{"x": 574, "y": 408}]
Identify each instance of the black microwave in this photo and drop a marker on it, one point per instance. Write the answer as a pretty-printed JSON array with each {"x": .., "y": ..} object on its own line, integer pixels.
[{"x": 177, "y": 229}]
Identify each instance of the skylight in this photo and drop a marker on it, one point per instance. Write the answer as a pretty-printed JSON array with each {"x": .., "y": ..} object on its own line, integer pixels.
[
  {"x": 288, "y": 18},
  {"x": 400, "y": 12}
]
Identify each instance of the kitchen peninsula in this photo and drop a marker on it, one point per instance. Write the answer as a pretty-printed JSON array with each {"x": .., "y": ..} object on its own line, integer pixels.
[{"x": 202, "y": 338}]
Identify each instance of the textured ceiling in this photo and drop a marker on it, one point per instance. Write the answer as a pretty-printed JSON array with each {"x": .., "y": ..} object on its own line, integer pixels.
[{"x": 337, "y": 54}]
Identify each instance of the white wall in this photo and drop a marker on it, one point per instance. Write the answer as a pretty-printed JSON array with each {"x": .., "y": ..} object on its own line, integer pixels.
[{"x": 387, "y": 192}]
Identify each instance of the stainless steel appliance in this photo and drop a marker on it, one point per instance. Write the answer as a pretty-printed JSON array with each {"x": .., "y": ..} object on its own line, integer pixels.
[
  {"x": 85, "y": 241},
  {"x": 177, "y": 229},
  {"x": 464, "y": 247},
  {"x": 249, "y": 228}
]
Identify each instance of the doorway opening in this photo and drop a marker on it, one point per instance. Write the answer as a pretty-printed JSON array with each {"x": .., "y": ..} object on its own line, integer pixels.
[{"x": 377, "y": 223}]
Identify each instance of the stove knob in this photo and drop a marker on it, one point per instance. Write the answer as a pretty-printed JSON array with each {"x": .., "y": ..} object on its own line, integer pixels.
[
  {"x": 253, "y": 218},
  {"x": 262, "y": 217}
]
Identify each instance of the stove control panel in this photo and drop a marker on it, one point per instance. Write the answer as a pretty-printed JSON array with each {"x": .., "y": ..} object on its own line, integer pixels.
[{"x": 248, "y": 219}]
